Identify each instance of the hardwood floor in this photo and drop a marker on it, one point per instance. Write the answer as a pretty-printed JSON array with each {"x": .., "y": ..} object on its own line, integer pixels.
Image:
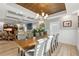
[
  {"x": 65, "y": 50},
  {"x": 9, "y": 48}
]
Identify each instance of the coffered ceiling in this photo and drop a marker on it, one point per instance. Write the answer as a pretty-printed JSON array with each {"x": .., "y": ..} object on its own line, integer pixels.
[{"x": 49, "y": 8}]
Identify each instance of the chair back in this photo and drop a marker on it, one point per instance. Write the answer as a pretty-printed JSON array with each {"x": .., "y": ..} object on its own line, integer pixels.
[
  {"x": 57, "y": 37},
  {"x": 54, "y": 41},
  {"x": 40, "y": 47},
  {"x": 48, "y": 43},
  {"x": 21, "y": 36},
  {"x": 42, "y": 40}
]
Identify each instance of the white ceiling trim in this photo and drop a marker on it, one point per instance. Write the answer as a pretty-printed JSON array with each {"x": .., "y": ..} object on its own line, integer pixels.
[{"x": 56, "y": 15}]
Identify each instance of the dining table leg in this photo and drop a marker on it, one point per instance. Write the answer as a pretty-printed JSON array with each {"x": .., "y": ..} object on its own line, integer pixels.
[{"x": 22, "y": 53}]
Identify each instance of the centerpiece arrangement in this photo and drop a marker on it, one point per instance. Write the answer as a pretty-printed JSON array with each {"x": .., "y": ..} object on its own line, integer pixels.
[{"x": 39, "y": 31}]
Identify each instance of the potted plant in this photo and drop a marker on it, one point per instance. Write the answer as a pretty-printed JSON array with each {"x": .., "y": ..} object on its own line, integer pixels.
[{"x": 34, "y": 32}]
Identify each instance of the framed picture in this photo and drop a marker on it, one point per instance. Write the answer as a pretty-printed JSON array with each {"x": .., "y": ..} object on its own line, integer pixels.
[{"x": 67, "y": 23}]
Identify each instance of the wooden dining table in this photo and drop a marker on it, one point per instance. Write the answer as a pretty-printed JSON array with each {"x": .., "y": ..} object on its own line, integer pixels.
[{"x": 25, "y": 45}]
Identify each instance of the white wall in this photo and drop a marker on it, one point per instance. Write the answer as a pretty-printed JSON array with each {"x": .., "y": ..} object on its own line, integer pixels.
[
  {"x": 78, "y": 40},
  {"x": 4, "y": 7},
  {"x": 54, "y": 18},
  {"x": 1, "y": 26},
  {"x": 53, "y": 26},
  {"x": 69, "y": 34},
  {"x": 25, "y": 12},
  {"x": 71, "y": 7},
  {"x": 78, "y": 33},
  {"x": 2, "y": 11}
]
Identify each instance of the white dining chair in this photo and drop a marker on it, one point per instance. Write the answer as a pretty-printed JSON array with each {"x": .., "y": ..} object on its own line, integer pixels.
[
  {"x": 21, "y": 36},
  {"x": 48, "y": 46},
  {"x": 42, "y": 40},
  {"x": 54, "y": 42},
  {"x": 38, "y": 50}
]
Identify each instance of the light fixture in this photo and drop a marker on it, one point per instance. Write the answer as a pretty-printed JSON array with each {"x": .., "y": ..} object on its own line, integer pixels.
[
  {"x": 43, "y": 13},
  {"x": 46, "y": 16},
  {"x": 37, "y": 16},
  {"x": 41, "y": 21},
  {"x": 43, "y": 16}
]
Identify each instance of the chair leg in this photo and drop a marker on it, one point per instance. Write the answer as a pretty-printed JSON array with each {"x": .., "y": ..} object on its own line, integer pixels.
[
  {"x": 56, "y": 44},
  {"x": 52, "y": 50},
  {"x": 54, "y": 47},
  {"x": 49, "y": 53},
  {"x": 18, "y": 50},
  {"x": 22, "y": 53}
]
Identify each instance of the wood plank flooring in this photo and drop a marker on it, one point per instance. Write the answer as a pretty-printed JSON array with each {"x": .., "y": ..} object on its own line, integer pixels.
[
  {"x": 9, "y": 48},
  {"x": 65, "y": 50}
]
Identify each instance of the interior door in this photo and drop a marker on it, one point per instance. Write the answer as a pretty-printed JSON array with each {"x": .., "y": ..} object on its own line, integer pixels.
[{"x": 54, "y": 28}]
